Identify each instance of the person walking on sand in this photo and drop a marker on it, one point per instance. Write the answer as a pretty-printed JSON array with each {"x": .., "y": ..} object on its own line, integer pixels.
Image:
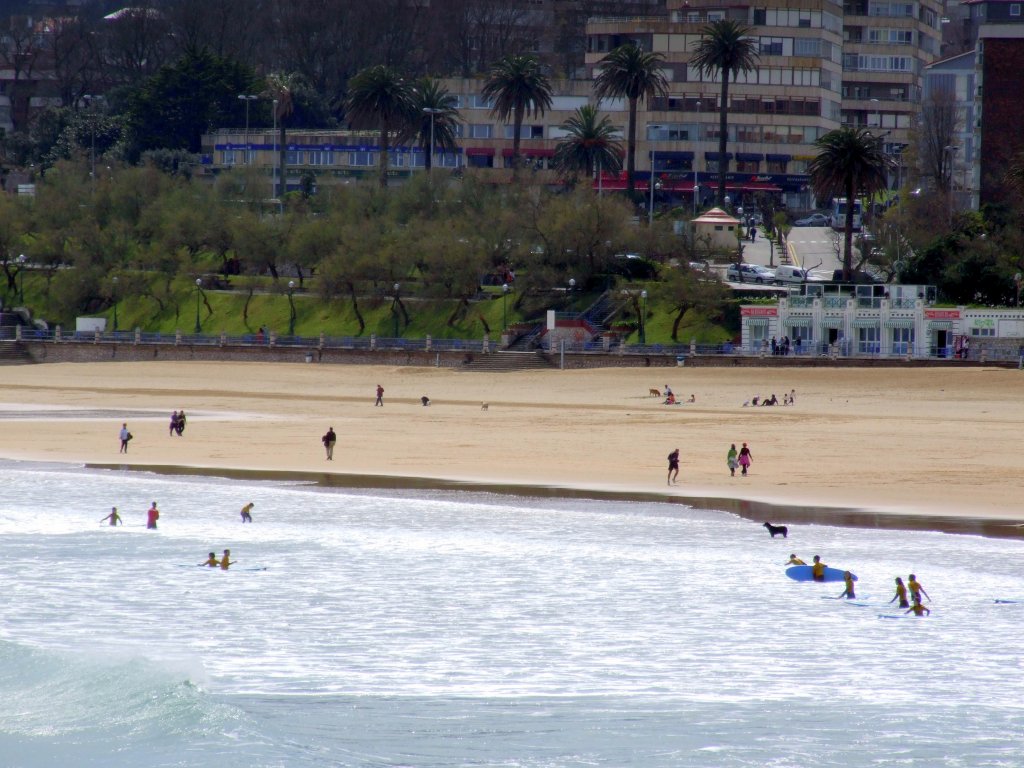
[
  {"x": 125, "y": 436},
  {"x": 916, "y": 590},
  {"x": 746, "y": 458},
  {"x": 380, "y": 396},
  {"x": 848, "y": 592},
  {"x": 180, "y": 426},
  {"x": 247, "y": 512},
  {"x": 113, "y": 517},
  {"x": 673, "y": 466},
  {"x": 329, "y": 439},
  {"x": 174, "y": 424},
  {"x": 731, "y": 460},
  {"x": 152, "y": 515},
  {"x": 901, "y": 594}
]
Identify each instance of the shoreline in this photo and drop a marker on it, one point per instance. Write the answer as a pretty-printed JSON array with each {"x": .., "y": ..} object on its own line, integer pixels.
[
  {"x": 754, "y": 510},
  {"x": 921, "y": 448}
]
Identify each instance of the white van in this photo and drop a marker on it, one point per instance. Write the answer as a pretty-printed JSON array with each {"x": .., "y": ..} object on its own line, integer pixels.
[{"x": 787, "y": 274}]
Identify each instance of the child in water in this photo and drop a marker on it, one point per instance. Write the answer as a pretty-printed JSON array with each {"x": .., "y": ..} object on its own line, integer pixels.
[{"x": 848, "y": 592}]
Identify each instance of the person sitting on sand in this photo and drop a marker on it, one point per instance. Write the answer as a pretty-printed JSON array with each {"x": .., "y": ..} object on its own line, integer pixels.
[
  {"x": 773, "y": 401},
  {"x": 753, "y": 400},
  {"x": 212, "y": 560},
  {"x": 901, "y": 594},
  {"x": 113, "y": 517},
  {"x": 794, "y": 560},
  {"x": 693, "y": 399},
  {"x": 425, "y": 400},
  {"x": 848, "y": 592},
  {"x": 671, "y": 399},
  {"x": 918, "y": 609},
  {"x": 818, "y": 569}
]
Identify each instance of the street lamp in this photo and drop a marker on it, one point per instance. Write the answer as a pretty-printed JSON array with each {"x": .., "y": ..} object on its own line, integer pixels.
[
  {"x": 113, "y": 280},
  {"x": 952, "y": 150},
  {"x": 247, "y": 98},
  {"x": 91, "y": 100},
  {"x": 504, "y": 301},
  {"x": 696, "y": 186},
  {"x": 274, "y": 161},
  {"x": 199, "y": 284},
  {"x": 1017, "y": 281},
  {"x": 21, "y": 278},
  {"x": 291, "y": 306},
  {"x": 572, "y": 284},
  {"x": 643, "y": 318},
  {"x": 878, "y": 112},
  {"x": 430, "y": 155},
  {"x": 395, "y": 308}
]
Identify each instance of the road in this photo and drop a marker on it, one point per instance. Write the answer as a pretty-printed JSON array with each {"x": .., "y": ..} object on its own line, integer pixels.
[{"x": 815, "y": 248}]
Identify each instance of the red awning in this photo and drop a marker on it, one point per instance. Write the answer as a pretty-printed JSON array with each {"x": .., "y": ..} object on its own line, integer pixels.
[
  {"x": 480, "y": 151},
  {"x": 507, "y": 152}
]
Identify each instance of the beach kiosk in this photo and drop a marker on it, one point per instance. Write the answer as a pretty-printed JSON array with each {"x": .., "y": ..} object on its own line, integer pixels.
[{"x": 716, "y": 231}]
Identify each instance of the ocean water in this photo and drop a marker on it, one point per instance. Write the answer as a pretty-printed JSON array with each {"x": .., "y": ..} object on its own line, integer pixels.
[{"x": 431, "y": 629}]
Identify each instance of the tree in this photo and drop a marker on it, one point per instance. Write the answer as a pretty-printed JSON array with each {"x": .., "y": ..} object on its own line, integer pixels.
[
  {"x": 590, "y": 144},
  {"x": 941, "y": 118},
  {"x": 281, "y": 87},
  {"x": 518, "y": 87},
  {"x": 850, "y": 162},
  {"x": 724, "y": 48},
  {"x": 633, "y": 74},
  {"x": 380, "y": 95},
  {"x": 436, "y": 118}
]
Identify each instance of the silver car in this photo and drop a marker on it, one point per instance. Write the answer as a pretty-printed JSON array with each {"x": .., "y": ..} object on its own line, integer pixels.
[{"x": 749, "y": 273}]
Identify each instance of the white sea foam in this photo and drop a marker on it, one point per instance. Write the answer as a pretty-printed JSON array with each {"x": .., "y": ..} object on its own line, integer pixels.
[{"x": 448, "y": 630}]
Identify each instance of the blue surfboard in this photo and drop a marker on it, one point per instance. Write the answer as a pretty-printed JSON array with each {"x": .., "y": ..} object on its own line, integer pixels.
[{"x": 803, "y": 573}]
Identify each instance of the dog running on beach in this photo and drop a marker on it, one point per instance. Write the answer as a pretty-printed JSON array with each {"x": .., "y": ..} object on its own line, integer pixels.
[
  {"x": 777, "y": 530},
  {"x": 484, "y": 406},
  {"x": 654, "y": 392}
]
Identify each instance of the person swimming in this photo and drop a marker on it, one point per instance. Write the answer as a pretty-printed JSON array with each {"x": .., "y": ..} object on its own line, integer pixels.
[
  {"x": 918, "y": 609},
  {"x": 794, "y": 560},
  {"x": 212, "y": 560}
]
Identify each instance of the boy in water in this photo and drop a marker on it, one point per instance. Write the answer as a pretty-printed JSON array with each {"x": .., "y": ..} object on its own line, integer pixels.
[
  {"x": 818, "y": 569},
  {"x": 794, "y": 560},
  {"x": 152, "y": 515},
  {"x": 918, "y": 609},
  {"x": 901, "y": 594},
  {"x": 226, "y": 560},
  {"x": 113, "y": 517},
  {"x": 848, "y": 592},
  {"x": 211, "y": 561},
  {"x": 246, "y": 512},
  {"x": 916, "y": 590}
]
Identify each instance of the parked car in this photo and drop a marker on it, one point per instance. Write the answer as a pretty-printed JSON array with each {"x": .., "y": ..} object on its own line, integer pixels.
[
  {"x": 814, "y": 220},
  {"x": 749, "y": 273},
  {"x": 788, "y": 274}
]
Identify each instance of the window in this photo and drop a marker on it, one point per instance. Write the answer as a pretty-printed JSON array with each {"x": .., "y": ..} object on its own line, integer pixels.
[
  {"x": 1015, "y": 9},
  {"x": 230, "y": 157},
  {"x": 525, "y": 132},
  {"x": 295, "y": 157},
  {"x": 868, "y": 340},
  {"x": 983, "y": 331},
  {"x": 902, "y": 341},
  {"x": 747, "y": 166},
  {"x": 806, "y": 46},
  {"x": 480, "y": 130},
  {"x": 446, "y": 160},
  {"x": 362, "y": 159},
  {"x": 476, "y": 101},
  {"x": 321, "y": 157}
]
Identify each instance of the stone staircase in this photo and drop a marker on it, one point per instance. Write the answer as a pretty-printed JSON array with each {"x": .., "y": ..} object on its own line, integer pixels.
[
  {"x": 13, "y": 353},
  {"x": 509, "y": 361}
]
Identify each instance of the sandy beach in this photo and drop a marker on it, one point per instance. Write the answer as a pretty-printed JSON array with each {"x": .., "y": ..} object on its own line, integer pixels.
[{"x": 922, "y": 443}]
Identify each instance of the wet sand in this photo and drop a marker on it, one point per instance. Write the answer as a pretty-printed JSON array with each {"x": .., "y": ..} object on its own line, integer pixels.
[{"x": 922, "y": 448}]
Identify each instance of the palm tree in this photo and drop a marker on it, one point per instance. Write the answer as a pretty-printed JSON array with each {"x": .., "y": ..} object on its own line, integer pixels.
[
  {"x": 633, "y": 74},
  {"x": 437, "y": 118},
  {"x": 850, "y": 162},
  {"x": 518, "y": 87},
  {"x": 281, "y": 88},
  {"x": 725, "y": 48},
  {"x": 380, "y": 95},
  {"x": 590, "y": 144}
]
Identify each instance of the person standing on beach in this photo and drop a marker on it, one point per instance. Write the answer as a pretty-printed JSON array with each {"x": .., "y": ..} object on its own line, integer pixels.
[
  {"x": 152, "y": 515},
  {"x": 731, "y": 460},
  {"x": 673, "y": 466},
  {"x": 380, "y": 396},
  {"x": 113, "y": 517},
  {"x": 247, "y": 512},
  {"x": 901, "y": 594},
  {"x": 746, "y": 458},
  {"x": 916, "y": 590},
  {"x": 329, "y": 439},
  {"x": 125, "y": 436}
]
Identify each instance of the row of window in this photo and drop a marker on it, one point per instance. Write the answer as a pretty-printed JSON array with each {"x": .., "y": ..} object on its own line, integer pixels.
[
  {"x": 753, "y": 134},
  {"x": 753, "y": 105},
  {"x": 861, "y": 62},
  {"x": 357, "y": 159}
]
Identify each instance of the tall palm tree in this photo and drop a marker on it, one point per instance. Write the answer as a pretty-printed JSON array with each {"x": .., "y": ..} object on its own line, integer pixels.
[
  {"x": 437, "y": 118},
  {"x": 630, "y": 73},
  {"x": 518, "y": 87},
  {"x": 281, "y": 88},
  {"x": 850, "y": 162},
  {"x": 590, "y": 144},
  {"x": 725, "y": 47},
  {"x": 379, "y": 95}
]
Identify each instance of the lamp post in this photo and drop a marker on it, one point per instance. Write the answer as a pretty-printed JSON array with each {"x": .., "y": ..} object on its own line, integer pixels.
[
  {"x": 650, "y": 208},
  {"x": 113, "y": 280},
  {"x": 91, "y": 100},
  {"x": 878, "y": 113},
  {"x": 397, "y": 286},
  {"x": 504, "y": 311},
  {"x": 199, "y": 287},
  {"x": 952, "y": 155},
  {"x": 1017, "y": 281},
  {"x": 572, "y": 284},
  {"x": 21, "y": 278},
  {"x": 696, "y": 186},
  {"x": 273, "y": 163},
  {"x": 643, "y": 318},
  {"x": 247, "y": 98},
  {"x": 430, "y": 154},
  {"x": 291, "y": 307}
]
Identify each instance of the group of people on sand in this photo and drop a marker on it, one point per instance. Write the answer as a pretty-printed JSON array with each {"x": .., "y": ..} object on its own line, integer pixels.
[
  {"x": 913, "y": 586},
  {"x": 670, "y": 397},
  {"x": 741, "y": 459},
  {"x": 781, "y": 346},
  {"x": 177, "y": 423},
  {"x": 152, "y": 515},
  {"x": 788, "y": 398}
]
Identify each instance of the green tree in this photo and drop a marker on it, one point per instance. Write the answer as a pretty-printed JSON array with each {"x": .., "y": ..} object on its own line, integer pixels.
[
  {"x": 172, "y": 109},
  {"x": 437, "y": 118},
  {"x": 850, "y": 162},
  {"x": 380, "y": 96},
  {"x": 633, "y": 74},
  {"x": 590, "y": 144},
  {"x": 281, "y": 89},
  {"x": 518, "y": 87},
  {"x": 726, "y": 48}
]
